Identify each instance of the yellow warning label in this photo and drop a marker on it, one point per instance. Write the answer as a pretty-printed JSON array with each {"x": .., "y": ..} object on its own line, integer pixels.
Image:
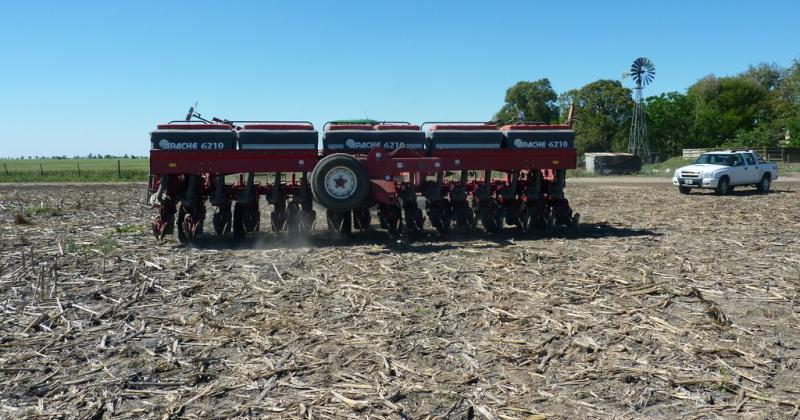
[
  {"x": 555, "y": 162},
  {"x": 172, "y": 165}
]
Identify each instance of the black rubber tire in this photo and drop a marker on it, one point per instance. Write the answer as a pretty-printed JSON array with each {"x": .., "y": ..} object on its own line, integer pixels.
[
  {"x": 684, "y": 190},
  {"x": 293, "y": 218},
  {"x": 199, "y": 230},
  {"x": 238, "y": 221},
  {"x": 169, "y": 225},
  {"x": 576, "y": 221},
  {"x": 318, "y": 182},
  {"x": 489, "y": 223},
  {"x": 221, "y": 220},
  {"x": 393, "y": 219},
  {"x": 251, "y": 216},
  {"x": 723, "y": 186},
  {"x": 459, "y": 214},
  {"x": 340, "y": 223},
  {"x": 410, "y": 219},
  {"x": 362, "y": 218},
  {"x": 489, "y": 219},
  {"x": 307, "y": 219},
  {"x": 182, "y": 238},
  {"x": 764, "y": 184},
  {"x": 347, "y": 225},
  {"x": 443, "y": 212}
]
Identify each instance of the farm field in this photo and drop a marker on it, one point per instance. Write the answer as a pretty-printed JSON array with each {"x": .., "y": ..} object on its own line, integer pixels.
[
  {"x": 661, "y": 305},
  {"x": 74, "y": 170}
]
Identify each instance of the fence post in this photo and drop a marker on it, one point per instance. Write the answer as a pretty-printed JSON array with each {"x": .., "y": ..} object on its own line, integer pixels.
[
  {"x": 79, "y": 168},
  {"x": 41, "y": 170},
  {"x": 119, "y": 169},
  {"x": 6, "y": 167}
]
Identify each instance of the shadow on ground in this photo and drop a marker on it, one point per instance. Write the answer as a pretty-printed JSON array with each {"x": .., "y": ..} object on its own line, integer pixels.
[
  {"x": 607, "y": 230},
  {"x": 425, "y": 242},
  {"x": 744, "y": 192}
]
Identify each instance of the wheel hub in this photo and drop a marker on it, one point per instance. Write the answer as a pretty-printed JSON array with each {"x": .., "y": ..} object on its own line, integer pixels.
[{"x": 340, "y": 182}]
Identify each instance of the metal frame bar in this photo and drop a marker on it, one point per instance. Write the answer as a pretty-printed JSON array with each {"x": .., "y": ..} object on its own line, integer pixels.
[
  {"x": 232, "y": 161},
  {"x": 327, "y": 123}
]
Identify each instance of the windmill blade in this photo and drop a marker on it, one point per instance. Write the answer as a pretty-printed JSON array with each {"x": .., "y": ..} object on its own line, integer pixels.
[
  {"x": 643, "y": 71},
  {"x": 642, "y": 63}
]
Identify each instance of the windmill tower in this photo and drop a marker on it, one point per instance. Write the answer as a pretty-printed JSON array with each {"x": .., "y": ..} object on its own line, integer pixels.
[{"x": 643, "y": 72}]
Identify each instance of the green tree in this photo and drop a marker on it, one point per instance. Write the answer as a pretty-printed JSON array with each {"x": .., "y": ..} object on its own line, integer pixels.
[
  {"x": 789, "y": 94},
  {"x": 602, "y": 115},
  {"x": 669, "y": 122},
  {"x": 793, "y": 129},
  {"x": 790, "y": 84},
  {"x": 725, "y": 107},
  {"x": 565, "y": 101},
  {"x": 535, "y": 100},
  {"x": 768, "y": 76},
  {"x": 761, "y": 136}
]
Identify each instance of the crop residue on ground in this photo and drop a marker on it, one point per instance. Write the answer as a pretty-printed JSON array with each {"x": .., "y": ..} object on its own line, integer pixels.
[{"x": 663, "y": 305}]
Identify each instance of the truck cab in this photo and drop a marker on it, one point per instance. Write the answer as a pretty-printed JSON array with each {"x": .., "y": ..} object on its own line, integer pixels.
[{"x": 724, "y": 170}]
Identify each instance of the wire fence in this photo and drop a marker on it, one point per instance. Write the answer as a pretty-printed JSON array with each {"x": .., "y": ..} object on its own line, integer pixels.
[
  {"x": 773, "y": 154},
  {"x": 74, "y": 170}
]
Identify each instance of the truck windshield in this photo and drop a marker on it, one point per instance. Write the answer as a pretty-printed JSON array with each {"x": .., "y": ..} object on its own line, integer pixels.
[{"x": 715, "y": 159}]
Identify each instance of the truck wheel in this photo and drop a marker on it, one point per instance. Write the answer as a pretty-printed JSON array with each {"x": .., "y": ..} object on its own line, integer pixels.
[
  {"x": 764, "y": 185},
  {"x": 339, "y": 182},
  {"x": 723, "y": 186},
  {"x": 684, "y": 190}
]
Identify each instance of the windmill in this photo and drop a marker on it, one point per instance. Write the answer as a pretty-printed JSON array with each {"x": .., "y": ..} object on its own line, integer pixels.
[{"x": 643, "y": 72}]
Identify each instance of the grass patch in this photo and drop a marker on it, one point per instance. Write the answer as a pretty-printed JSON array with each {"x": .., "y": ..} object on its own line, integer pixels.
[
  {"x": 580, "y": 173},
  {"x": 665, "y": 168},
  {"x": 33, "y": 165},
  {"x": 43, "y": 211},
  {"x": 70, "y": 247},
  {"x": 130, "y": 229},
  {"x": 105, "y": 246},
  {"x": 74, "y": 170},
  {"x": 73, "y": 176},
  {"x": 788, "y": 168}
]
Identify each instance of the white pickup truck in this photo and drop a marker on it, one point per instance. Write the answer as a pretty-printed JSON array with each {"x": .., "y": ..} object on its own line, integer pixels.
[{"x": 724, "y": 170}]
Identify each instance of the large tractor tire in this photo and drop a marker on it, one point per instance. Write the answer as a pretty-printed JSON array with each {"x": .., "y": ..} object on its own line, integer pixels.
[{"x": 339, "y": 182}]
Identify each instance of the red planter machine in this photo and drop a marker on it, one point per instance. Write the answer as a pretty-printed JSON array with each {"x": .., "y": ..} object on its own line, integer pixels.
[{"x": 461, "y": 173}]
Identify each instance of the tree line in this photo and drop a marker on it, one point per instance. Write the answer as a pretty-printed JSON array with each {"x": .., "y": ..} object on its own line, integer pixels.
[{"x": 759, "y": 107}]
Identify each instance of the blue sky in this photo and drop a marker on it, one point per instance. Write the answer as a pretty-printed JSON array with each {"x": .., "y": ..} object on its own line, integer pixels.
[{"x": 96, "y": 76}]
